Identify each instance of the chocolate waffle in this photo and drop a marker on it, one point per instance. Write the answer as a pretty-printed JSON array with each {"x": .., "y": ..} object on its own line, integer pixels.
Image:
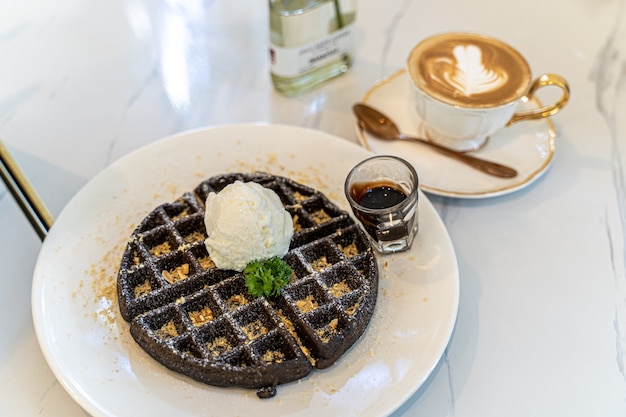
[{"x": 200, "y": 321}]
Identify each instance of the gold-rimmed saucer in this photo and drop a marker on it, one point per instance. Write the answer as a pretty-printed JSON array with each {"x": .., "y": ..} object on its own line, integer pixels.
[{"x": 528, "y": 147}]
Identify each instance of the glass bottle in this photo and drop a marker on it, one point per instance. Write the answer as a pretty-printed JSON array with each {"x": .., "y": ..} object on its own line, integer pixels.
[{"x": 311, "y": 41}]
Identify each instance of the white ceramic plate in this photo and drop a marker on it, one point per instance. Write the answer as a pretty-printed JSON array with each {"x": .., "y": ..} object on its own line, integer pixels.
[
  {"x": 87, "y": 344},
  {"x": 528, "y": 147}
]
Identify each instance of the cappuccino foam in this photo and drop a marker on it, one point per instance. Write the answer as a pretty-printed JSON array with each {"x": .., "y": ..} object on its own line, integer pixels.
[{"x": 469, "y": 70}]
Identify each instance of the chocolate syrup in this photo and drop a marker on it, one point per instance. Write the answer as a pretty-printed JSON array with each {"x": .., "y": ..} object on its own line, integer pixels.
[{"x": 377, "y": 195}]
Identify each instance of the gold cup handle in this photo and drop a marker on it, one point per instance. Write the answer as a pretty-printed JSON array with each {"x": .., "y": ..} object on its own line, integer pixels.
[{"x": 545, "y": 111}]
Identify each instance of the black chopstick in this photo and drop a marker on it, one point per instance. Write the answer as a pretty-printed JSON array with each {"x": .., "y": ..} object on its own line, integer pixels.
[{"x": 24, "y": 193}]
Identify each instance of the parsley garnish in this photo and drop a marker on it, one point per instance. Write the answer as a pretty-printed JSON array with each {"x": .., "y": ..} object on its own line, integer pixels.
[{"x": 267, "y": 277}]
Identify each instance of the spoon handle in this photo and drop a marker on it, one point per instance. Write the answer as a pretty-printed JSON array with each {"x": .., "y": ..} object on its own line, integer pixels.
[{"x": 489, "y": 167}]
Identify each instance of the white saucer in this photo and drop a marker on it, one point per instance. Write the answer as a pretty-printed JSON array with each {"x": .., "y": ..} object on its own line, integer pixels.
[{"x": 528, "y": 147}]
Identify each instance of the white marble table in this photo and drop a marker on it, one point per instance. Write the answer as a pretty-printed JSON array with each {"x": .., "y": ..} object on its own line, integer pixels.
[{"x": 541, "y": 326}]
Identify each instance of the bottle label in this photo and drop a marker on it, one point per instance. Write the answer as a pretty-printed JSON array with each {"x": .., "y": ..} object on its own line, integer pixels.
[{"x": 292, "y": 62}]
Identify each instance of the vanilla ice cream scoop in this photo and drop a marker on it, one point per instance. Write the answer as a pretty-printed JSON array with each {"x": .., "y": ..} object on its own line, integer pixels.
[{"x": 246, "y": 222}]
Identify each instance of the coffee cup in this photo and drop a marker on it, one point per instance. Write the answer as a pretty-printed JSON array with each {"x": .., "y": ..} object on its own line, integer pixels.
[{"x": 467, "y": 86}]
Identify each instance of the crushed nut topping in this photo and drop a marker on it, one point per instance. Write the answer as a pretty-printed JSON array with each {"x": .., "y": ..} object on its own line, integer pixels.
[
  {"x": 161, "y": 249},
  {"x": 320, "y": 216},
  {"x": 200, "y": 317},
  {"x": 273, "y": 356},
  {"x": 206, "y": 262},
  {"x": 300, "y": 196},
  {"x": 219, "y": 346},
  {"x": 177, "y": 274},
  {"x": 297, "y": 227},
  {"x": 254, "y": 330},
  {"x": 167, "y": 331},
  {"x": 143, "y": 289},
  {"x": 339, "y": 289},
  {"x": 195, "y": 236},
  {"x": 180, "y": 215},
  {"x": 136, "y": 259},
  {"x": 352, "y": 309},
  {"x": 327, "y": 332},
  {"x": 320, "y": 263},
  {"x": 307, "y": 304},
  {"x": 236, "y": 301},
  {"x": 350, "y": 251}
]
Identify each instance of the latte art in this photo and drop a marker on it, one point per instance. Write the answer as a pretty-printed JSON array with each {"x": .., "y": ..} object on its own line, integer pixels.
[
  {"x": 470, "y": 76},
  {"x": 469, "y": 70}
]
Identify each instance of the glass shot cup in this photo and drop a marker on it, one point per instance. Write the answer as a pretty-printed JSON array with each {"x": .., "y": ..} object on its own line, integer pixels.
[{"x": 383, "y": 194}]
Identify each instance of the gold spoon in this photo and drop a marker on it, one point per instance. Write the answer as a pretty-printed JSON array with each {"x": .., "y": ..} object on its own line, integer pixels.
[{"x": 382, "y": 127}]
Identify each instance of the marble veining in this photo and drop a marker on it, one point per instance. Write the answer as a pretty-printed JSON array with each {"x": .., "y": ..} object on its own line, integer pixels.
[
  {"x": 390, "y": 34},
  {"x": 609, "y": 77},
  {"x": 450, "y": 372}
]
